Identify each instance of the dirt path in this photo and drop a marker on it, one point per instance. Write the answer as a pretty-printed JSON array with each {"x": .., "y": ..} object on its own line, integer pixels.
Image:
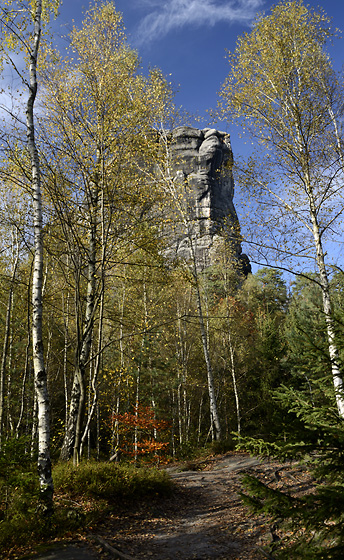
[{"x": 204, "y": 519}]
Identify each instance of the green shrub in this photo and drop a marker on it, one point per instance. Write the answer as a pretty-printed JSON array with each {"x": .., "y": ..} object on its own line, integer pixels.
[{"x": 109, "y": 481}]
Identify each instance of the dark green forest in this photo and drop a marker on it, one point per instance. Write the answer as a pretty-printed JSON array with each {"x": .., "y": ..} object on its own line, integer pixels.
[{"x": 114, "y": 352}]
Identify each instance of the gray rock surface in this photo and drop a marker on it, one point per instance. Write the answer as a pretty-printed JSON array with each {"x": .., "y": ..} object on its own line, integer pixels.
[{"x": 202, "y": 163}]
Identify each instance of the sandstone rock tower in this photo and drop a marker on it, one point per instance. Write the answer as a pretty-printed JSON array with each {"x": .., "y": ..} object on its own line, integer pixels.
[{"x": 202, "y": 160}]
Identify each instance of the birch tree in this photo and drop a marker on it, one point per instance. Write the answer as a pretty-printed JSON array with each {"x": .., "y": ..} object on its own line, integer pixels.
[
  {"x": 22, "y": 24},
  {"x": 283, "y": 91},
  {"x": 99, "y": 131}
]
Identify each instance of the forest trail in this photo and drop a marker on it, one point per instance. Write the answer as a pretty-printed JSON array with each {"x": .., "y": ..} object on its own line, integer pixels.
[{"x": 204, "y": 519}]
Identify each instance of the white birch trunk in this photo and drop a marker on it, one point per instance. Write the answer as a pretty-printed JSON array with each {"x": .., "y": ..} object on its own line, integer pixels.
[
  {"x": 214, "y": 417},
  {"x": 10, "y": 423},
  {"x": 235, "y": 386},
  {"x": 65, "y": 352},
  {"x": 94, "y": 379},
  {"x": 199, "y": 419},
  {"x": 116, "y": 436},
  {"x": 182, "y": 353},
  {"x": 44, "y": 463},
  {"x": 232, "y": 361},
  {"x": 71, "y": 444},
  {"x": 27, "y": 368},
  {"x": 173, "y": 445},
  {"x": 210, "y": 376},
  {"x": 138, "y": 374},
  {"x": 327, "y": 308}
]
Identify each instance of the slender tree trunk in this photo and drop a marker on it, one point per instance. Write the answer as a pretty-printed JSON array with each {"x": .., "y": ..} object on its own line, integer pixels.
[
  {"x": 179, "y": 405},
  {"x": 27, "y": 368},
  {"x": 137, "y": 402},
  {"x": 235, "y": 385},
  {"x": 232, "y": 362},
  {"x": 25, "y": 377},
  {"x": 214, "y": 417},
  {"x": 71, "y": 443},
  {"x": 65, "y": 353},
  {"x": 89, "y": 322},
  {"x": 173, "y": 446},
  {"x": 44, "y": 462},
  {"x": 137, "y": 398},
  {"x": 199, "y": 419},
  {"x": 72, "y": 439},
  {"x": 7, "y": 334},
  {"x": 94, "y": 379},
  {"x": 139, "y": 368},
  {"x": 188, "y": 421},
  {"x": 181, "y": 351},
  {"x": 69, "y": 438},
  {"x": 339, "y": 143},
  {"x": 98, "y": 432},
  {"x": 115, "y": 452},
  {"x": 327, "y": 307},
  {"x": 10, "y": 428},
  {"x": 90, "y": 409}
]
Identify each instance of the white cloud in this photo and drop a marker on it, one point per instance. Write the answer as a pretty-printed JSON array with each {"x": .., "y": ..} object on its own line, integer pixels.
[{"x": 166, "y": 15}]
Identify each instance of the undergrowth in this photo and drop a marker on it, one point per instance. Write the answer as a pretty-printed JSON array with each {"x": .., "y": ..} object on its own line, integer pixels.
[
  {"x": 110, "y": 481},
  {"x": 83, "y": 496}
]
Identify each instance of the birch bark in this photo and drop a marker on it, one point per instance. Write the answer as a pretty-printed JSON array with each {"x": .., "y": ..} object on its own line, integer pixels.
[
  {"x": 44, "y": 462},
  {"x": 327, "y": 306}
]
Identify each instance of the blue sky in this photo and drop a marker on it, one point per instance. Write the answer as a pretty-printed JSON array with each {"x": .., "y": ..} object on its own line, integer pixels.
[{"x": 187, "y": 39}]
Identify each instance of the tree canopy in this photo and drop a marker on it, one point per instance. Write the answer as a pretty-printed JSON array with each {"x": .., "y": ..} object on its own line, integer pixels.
[{"x": 282, "y": 88}]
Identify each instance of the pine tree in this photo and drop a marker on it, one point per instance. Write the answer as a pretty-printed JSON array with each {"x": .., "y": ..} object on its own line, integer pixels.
[{"x": 312, "y": 435}]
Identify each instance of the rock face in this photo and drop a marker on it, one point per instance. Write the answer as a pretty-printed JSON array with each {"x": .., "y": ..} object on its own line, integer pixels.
[{"x": 202, "y": 163}]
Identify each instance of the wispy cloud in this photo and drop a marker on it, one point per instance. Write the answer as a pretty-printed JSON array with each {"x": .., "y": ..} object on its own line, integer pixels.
[{"x": 166, "y": 15}]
